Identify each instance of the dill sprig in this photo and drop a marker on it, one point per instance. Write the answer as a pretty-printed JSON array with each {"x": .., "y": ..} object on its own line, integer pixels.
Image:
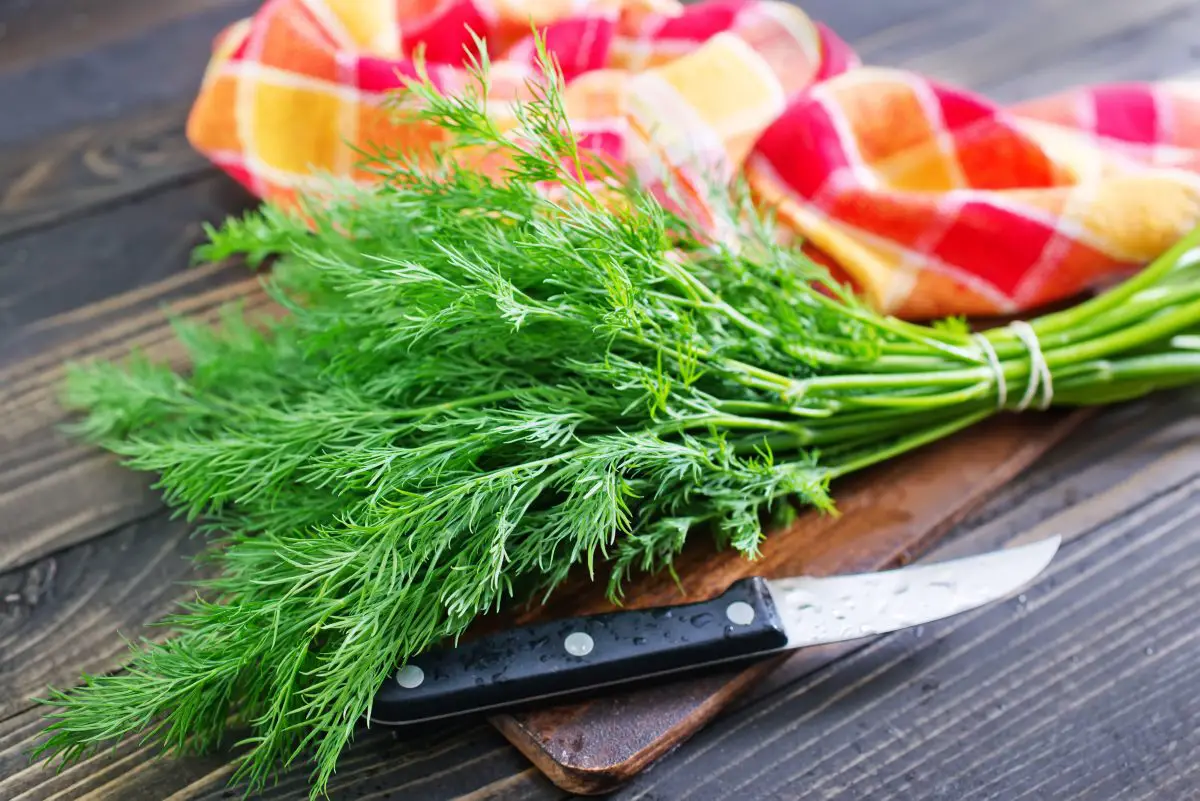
[{"x": 489, "y": 378}]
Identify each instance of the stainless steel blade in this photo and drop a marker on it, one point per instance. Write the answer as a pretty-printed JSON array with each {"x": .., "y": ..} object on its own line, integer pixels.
[{"x": 837, "y": 608}]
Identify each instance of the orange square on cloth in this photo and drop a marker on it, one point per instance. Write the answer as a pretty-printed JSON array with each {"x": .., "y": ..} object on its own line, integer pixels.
[
  {"x": 297, "y": 44},
  {"x": 212, "y": 124},
  {"x": 886, "y": 122}
]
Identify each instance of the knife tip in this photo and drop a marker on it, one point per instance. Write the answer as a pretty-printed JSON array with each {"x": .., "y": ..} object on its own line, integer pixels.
[{"x": 1040, "y": 554}]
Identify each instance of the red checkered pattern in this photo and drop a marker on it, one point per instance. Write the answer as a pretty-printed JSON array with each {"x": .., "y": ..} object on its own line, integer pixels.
[{"x": 929, "y": 199}]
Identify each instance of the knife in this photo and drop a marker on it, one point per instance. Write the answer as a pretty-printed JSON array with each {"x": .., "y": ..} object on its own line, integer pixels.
[{"x": 755, "y": 617}]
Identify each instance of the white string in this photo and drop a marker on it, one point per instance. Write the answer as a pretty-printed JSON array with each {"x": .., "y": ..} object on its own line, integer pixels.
[
  {"x": 998, "y": 371},
  {"x": 1039, "y": 371}
]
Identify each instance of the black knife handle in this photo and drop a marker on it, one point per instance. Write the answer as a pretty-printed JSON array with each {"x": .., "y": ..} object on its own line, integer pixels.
[{"x": 575, "y": 655}]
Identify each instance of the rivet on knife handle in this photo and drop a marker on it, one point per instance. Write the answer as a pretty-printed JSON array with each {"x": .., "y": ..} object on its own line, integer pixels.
[{"x": 577, "y": 654}]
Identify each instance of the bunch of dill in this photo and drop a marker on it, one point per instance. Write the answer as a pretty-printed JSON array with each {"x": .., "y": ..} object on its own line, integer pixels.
[{"x": 480, "y": 385}]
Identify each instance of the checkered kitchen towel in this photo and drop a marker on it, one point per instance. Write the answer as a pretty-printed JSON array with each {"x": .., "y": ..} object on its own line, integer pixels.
[{"x": 931, "y": 200}]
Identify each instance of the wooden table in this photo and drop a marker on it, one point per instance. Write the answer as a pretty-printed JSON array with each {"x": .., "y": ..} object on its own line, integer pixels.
[{"x": 1084, "y": 687}]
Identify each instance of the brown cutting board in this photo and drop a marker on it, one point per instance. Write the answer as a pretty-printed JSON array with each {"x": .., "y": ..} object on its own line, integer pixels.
[{"x": 888, "y": 516}]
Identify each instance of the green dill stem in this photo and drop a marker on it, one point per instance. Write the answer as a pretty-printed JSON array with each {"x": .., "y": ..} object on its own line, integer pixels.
[
  {"x": 746, "y": 374},
  {"x": 877, "y": 429},
  {"x": 729, "y": 422},
  {"x": 715, "y": 301},
  {"x": 909, "y": 443},
  {"x": 777, "y": 443},
  {"x": 1135, "y": 312},
  {"x": 889, "y": 381},
  {"x": 1179, "y": 363},
  {"x": 762, "y": 407},
  {"x": 851, "y": 426},
  {"x": 924, "y": 337},
  {"x": 1175, "y": 320},
  {"x": 907, "y": 364},
  {"x": 1128, "y": 378},
  {"x": 758, "y": 377},
  {"x": 1126, "y": 316},
  {"x": 980, "y": 390},
  {"x": 866, "y": 415},
  {"x": 1157, "y": 328}
]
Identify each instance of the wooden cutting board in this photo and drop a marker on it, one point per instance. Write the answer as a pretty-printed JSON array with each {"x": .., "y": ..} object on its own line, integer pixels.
[{"x": 888, "y": 516}]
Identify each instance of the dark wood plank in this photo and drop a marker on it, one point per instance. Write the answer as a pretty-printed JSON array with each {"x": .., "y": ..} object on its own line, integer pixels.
[
  {"x": 983, "y": 45},
  {"x": 125, "y": 766},
  {"x": 95, "y": 166},
  {"x": 1153, "y": 47},
  {"x": 954, "y": 710},
  {"x": 51, "y": 280},
  {"x": 64, "y": 613},
  {"x": 47, "y": 30},
  {"x": 53, "y": 490},
  {"x": 471, "y": 762},
  {"x": 96, "y": 226},
  {"x": 122, "y": 58}
]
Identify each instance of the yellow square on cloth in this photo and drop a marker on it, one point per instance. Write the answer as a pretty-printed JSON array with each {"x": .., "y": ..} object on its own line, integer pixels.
[{"x": 281, "y": 140}]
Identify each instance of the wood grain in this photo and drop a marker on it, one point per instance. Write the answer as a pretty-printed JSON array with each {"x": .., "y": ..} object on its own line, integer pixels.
[
  {"x": 146, "y": 57},
  {"x": 54, "y": 491},
  {"x": 96, "y": 229},
  {"x": 1060, "y": 700},
  {"x": 52, "y": 280},
  {"x": 53, "y": 29},
  {"x": 984, "y": 46},
  {"x": 1048, "y": 678},
  {"x": 464, "y": 762},
  {"x": 66, "y": 613},
  {"x": 95, "y": 166}
]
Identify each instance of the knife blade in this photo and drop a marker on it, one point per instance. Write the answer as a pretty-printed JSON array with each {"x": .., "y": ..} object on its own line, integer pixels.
[{"x": 754, "y": 618}]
